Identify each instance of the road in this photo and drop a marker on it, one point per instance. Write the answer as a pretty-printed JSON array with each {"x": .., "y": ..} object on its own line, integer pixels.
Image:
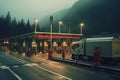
[{"x": 13, "y": 68}]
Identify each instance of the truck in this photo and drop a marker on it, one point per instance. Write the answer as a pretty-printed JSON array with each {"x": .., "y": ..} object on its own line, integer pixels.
[{"x": 109, "y": 49}]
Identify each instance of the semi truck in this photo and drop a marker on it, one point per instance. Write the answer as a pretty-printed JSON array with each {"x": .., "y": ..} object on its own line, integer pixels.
[{"x": 109, "y": 49}]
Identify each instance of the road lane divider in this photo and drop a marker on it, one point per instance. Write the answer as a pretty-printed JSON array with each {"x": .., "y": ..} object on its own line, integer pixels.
[
  {"x": 18, "y": 59},
  {"x": 30, "y": 64},
  {"x": 61, "y": 76},
  {"x": 6, "y": 67}
]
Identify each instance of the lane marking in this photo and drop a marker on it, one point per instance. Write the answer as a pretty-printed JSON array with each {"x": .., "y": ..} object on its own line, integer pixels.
[
  {"x": 67, "y": 78},
  {"x": 18, "y": 59},
  {"x": 18, "y": 77},
  {"x": 16, "y": 66},
  {"x": 31, "y": 64},
  {"x": 5, "y": 67},
  {"x": 34, "y": 64}
]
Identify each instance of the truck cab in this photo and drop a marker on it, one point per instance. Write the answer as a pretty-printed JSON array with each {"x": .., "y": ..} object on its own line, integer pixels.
[{"x": 78, "y": 49}]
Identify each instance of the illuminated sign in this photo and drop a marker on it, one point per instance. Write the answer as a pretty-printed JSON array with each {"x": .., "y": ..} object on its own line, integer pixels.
[{"x": 56, "y": 36}]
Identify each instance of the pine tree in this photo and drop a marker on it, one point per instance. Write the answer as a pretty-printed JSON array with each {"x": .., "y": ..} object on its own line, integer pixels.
[
  {"x": 7, "y": 25},
  {"x": 22, "y": 27},
  {"x": 8, "y": 18},
  {"x": 28, "y": 27},
  {"x": 14, "y": 27}
]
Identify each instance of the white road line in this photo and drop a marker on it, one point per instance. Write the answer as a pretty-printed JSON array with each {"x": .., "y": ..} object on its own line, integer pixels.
[
  {"x": 31, "y": 64},
  {"x": 16, "y": 66},
  {"x": 34, "y": 64},
  {"x": 5, "y": 67},
  {"x": 53, "y": 72},
  {"x": 61, "y": 76},
  {"x": 18, "y": 59},
  {"x": 18, "y": 77}
]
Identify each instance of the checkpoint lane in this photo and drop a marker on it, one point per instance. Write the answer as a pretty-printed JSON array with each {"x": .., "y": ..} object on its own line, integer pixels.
[
  {"x": 23, "y": 70},
  {"x": 50, "y": 70}
]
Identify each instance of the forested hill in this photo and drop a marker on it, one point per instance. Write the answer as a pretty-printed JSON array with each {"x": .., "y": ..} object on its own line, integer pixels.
[
  {"x": 11, "y": 27},
  {"x": 98, "y": 15}
]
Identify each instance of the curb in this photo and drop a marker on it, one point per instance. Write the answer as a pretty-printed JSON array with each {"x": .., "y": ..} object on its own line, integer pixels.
[{"x": 75, "y": 62}]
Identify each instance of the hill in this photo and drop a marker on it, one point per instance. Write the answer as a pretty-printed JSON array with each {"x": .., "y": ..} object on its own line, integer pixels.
[
  {"x": 56, "y": 17},
  {"x": 97, "y": 15}
]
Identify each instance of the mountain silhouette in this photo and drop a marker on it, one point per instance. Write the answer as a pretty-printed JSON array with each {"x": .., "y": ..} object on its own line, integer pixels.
[
  {"x": 98, "y": 16},
  {"x": 56, "y": 17}
]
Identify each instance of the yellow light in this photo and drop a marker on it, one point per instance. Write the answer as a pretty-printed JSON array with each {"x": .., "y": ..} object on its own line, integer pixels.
[
  {"x": 82, "y": 24},
  {"x": 36, "y": 20},
  {"x": 23, "y": 55},
  {"x": 60, "y": 22}
]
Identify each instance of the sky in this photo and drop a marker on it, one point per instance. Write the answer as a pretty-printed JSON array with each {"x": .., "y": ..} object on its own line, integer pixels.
[{"x": 30, "y": 9}]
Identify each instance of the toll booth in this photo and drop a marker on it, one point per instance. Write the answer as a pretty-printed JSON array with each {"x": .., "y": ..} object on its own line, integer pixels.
[
  {"x": 58, "y": 39},
  {"x": 42, "y": 41}
]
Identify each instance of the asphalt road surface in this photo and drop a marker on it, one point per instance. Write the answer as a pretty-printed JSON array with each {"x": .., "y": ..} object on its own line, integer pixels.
[{"x": 13, "y": 68}]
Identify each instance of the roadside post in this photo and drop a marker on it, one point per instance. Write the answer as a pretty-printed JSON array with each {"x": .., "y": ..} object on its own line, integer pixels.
[
  {"x": 50, "y": 54},
  {"x": 97, "y": 56},
  {"x": 63, "y": 52}
]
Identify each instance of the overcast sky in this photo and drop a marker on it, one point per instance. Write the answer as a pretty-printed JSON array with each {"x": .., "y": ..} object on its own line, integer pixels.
[{"x": 33, "y": 8}]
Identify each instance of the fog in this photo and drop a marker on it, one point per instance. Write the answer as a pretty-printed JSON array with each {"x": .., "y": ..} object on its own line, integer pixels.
[{"x": 30, "y": 9}]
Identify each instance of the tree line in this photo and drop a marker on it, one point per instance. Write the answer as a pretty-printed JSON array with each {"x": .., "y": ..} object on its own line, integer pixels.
[{"x": 11, "y": 27}]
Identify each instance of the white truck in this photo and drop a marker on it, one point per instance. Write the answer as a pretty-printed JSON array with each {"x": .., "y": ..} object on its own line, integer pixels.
[{"x": 109, "y": 46}]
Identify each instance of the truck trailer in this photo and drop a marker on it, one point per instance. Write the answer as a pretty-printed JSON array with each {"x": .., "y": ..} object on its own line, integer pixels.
[{"x": 109, "y": 49}]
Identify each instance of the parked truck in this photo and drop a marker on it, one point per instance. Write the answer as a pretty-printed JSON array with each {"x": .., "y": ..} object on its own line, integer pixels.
[{"x": 109, "y": 49}]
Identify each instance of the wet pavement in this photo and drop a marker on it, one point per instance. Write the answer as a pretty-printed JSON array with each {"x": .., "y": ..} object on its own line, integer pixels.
[{"x": 43, "y": 57}]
